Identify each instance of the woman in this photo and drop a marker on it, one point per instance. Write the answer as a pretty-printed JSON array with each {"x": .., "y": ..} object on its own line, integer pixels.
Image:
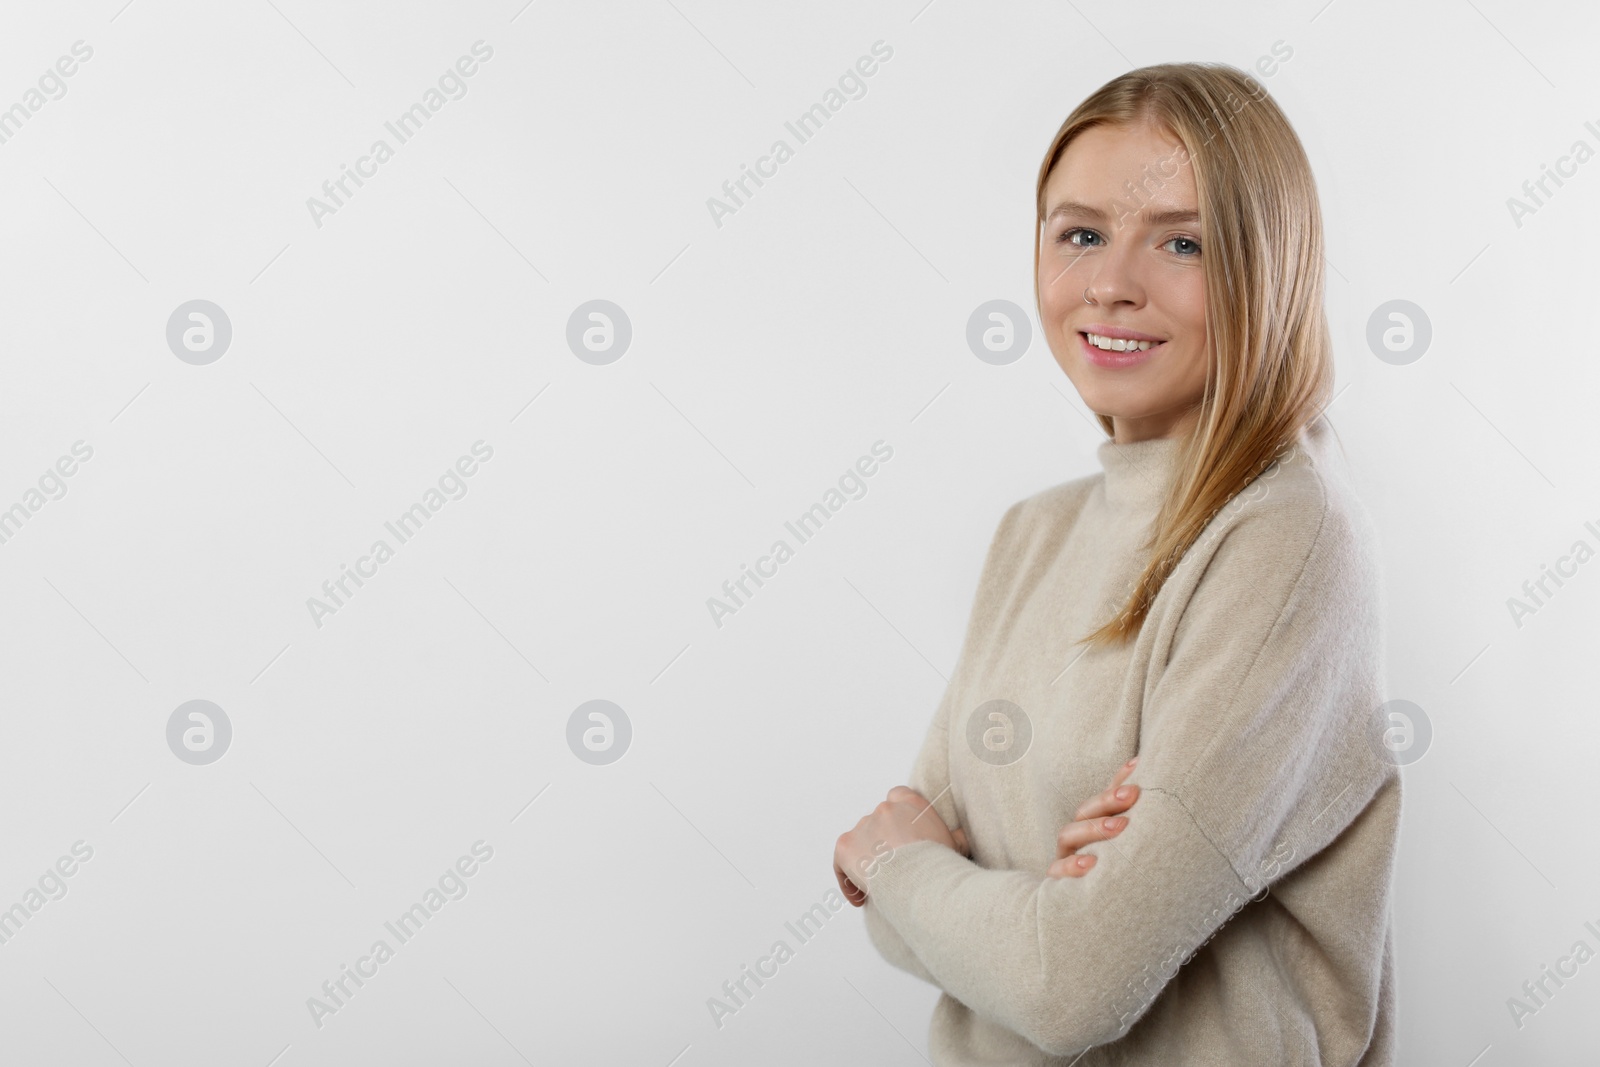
[{"x": 1208, "y": 603}]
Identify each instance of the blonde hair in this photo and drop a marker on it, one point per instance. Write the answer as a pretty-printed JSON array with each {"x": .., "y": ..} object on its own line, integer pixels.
[{"x": 1271, "y": 355}]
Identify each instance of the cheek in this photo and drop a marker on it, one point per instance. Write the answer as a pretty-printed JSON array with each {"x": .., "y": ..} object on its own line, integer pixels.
[
  {"x": 1050, "y": 304},
  {"x": 1189, "y": 304},
  {"x": 1056, "y": 294}
]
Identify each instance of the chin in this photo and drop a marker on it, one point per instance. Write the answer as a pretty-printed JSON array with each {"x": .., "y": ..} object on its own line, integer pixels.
[{"x": 1121, "y": 403}]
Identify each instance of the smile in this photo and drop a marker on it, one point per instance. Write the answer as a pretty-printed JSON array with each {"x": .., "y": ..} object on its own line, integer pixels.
[
  {"x": 1118, "y": 344},
  {"x": 1118, "y": 352}
]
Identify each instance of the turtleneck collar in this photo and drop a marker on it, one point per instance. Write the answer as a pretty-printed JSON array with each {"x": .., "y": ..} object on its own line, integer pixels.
[{"x": 1138, "y": 473}]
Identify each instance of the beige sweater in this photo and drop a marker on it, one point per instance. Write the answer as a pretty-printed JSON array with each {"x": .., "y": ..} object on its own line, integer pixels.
[{"x": 1242, "y": 917}]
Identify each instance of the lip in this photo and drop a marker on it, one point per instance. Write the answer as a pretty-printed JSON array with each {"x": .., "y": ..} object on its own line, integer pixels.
[{"x": 1101, "y": 358}]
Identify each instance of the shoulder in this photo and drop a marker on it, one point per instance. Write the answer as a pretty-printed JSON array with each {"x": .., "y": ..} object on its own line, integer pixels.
[
  {"x": 1029, "y": 530},
  {"x": 1047, "y": 514},
  {"x": 1299, "y": 524}
]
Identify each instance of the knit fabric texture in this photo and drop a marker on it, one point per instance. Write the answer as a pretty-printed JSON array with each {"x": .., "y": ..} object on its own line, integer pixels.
[{"x": 1243, "y": 915}]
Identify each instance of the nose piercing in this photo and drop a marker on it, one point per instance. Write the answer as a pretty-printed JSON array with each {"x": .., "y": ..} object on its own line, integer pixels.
[{"x": 1086, "y": 299}]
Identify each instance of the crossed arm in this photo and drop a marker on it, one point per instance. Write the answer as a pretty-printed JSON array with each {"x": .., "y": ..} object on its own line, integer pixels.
[
  {"x": 1251, "y": 739},
  {"x": 906, "y": 816}
]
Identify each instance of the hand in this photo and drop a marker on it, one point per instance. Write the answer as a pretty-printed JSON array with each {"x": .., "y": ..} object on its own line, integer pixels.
[
  {"x": 1092, "y": 825},
  {"x": 903, "y": 817}
]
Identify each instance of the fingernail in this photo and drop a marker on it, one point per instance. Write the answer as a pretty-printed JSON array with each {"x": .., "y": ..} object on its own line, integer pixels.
[
  {"x": 1131, "y": 762},
  {"x": 1124, "y": 793},
  {"x": 1084, "y": 861},
  {"x": 1115, "y": 824}
]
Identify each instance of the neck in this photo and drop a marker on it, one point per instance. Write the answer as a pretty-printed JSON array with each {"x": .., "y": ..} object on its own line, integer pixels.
[{"x": 1138, "y": 473}]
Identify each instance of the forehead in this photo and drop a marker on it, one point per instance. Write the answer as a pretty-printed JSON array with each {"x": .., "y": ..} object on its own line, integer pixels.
[{"x": 1099, "y": 164}]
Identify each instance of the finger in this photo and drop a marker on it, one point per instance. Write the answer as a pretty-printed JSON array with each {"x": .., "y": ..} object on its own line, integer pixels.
[
  {"x": 1071, "y": 867},
  {"x": 1120, "y": 776},
  {"x": 960, "y": 836},
  {"x": 1123, "y": 772},
  {"x": 905, "y": 792},
  {"x": 848, "y": 888},
  {"x": 1108, "y": 802},
  {"x": 1075, "y": 835}
]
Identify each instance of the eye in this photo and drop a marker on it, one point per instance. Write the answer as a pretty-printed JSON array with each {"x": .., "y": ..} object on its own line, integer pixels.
[
  {"x": 1066, "y": 237},
  {"x": 1194, "y": 246}
]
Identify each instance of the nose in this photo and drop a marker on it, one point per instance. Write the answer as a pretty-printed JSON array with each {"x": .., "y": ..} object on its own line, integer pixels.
[{"x": 1114, "y": 276}]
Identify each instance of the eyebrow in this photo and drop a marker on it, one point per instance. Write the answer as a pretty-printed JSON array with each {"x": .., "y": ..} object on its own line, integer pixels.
[{"x": 1154, "y": 218}]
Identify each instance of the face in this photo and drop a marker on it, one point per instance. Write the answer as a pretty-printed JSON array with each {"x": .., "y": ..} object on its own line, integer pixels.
[{"x": 1135, "y": 249}]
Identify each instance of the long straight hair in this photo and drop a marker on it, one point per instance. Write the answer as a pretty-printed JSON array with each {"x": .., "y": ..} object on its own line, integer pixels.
[{"x": 1270, "y": 369}]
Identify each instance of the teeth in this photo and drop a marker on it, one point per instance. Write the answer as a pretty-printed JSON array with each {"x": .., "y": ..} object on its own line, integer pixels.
[{"x": 1117, "y": 344}]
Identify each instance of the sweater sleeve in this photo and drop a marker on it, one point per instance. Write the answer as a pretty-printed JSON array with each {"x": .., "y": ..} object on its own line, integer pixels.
[
  {"x": 1253, "y": 757},
  {"x": 930, "y": 773},
  {"x": 930, "y": 776}
]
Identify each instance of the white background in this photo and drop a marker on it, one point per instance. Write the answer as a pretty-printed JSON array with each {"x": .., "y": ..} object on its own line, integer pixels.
[{"x": 768, "y": 354}]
